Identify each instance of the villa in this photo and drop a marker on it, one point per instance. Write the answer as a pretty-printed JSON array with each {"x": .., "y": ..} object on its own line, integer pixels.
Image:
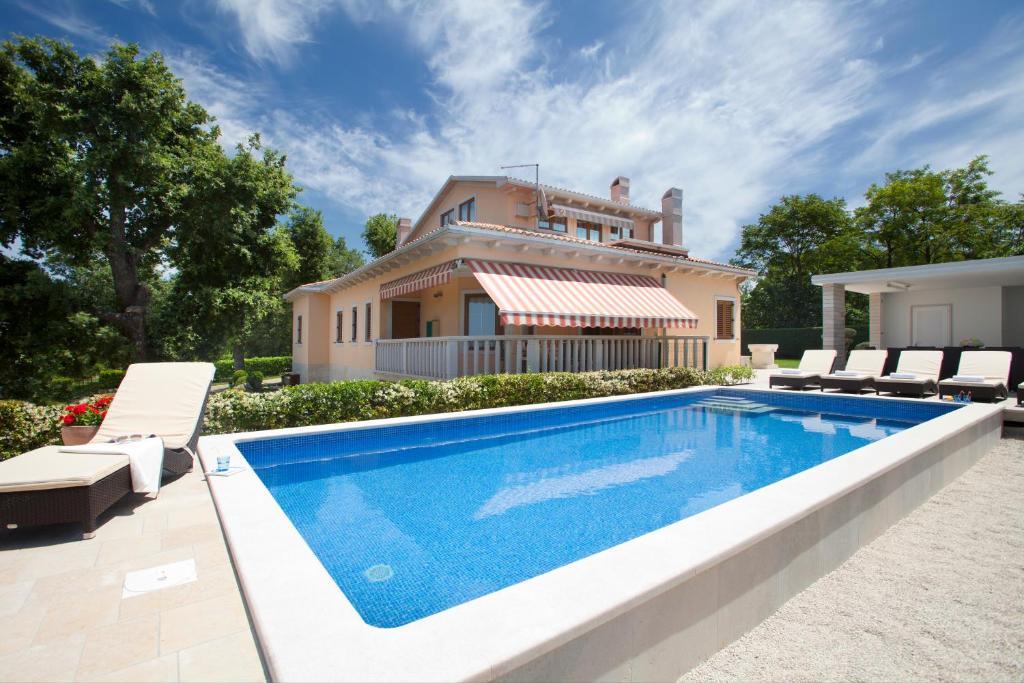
[{"x": 500, "y": 275}]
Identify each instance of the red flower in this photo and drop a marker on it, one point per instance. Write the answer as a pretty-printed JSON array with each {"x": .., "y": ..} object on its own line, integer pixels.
[
  {"x": 80, "y": 409},
  {"x": 103, "y": 415},
  {"x": 69, "y": 408},
  {"x": 69, "y": 419}
]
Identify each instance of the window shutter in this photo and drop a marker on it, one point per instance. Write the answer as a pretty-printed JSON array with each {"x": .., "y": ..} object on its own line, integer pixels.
[{"x": 724, "y": 319}]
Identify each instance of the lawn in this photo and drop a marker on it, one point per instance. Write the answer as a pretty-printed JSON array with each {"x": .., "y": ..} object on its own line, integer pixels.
[{"x": 787, "y": 362}]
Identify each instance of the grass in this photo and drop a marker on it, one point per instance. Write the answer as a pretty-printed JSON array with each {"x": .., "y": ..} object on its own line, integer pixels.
[{"x": 787, "y": 362}]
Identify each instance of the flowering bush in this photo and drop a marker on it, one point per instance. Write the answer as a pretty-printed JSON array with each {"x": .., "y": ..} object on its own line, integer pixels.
[{"x": 87, "y": 414}]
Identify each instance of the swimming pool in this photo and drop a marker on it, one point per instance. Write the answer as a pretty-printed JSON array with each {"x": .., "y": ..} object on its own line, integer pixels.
[
  {"x": 678, "y": 572},
  {"x": 412, "y": 520}
]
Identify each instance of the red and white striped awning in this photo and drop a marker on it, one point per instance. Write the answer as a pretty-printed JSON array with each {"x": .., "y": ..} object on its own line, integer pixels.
[
  {"x": 424, "y": 279},
  {"x": 567, "y": 297}
]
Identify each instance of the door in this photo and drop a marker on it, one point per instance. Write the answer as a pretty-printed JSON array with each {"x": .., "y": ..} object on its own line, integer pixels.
[
  {"x": 931, "y": 325},
  {"x": 405, "y": 319}
]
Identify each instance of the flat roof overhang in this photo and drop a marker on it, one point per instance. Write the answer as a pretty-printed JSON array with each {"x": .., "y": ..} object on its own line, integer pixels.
[{"x": 996, "y": 272}]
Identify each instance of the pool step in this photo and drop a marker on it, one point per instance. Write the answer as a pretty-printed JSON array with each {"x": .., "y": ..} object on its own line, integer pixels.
[{"x": 733, "y": 404}]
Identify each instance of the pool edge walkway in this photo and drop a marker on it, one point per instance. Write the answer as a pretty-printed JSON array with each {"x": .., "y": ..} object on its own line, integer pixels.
[{"x": 939, "y": 595}]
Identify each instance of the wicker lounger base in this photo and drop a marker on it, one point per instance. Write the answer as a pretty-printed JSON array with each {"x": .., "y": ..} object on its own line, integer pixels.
[
  {"x": 82, "y": 504},
  {"x": 905, "y": 387},
  {"x": 979, "y": 392},
  {"x": 793, "y": 381},
  {"x": 177, "y": 462},
  {"x": 848, "y": 385}
]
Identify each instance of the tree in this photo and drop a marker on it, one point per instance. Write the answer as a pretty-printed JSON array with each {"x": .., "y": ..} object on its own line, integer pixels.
[
  {"x": 379, "y": 234},
  {"x": 924, "y": 216},
  {"x": 798, "y": 237},
  {"x": 97, "y": 158},
  {"x": 319, "y": 256}
]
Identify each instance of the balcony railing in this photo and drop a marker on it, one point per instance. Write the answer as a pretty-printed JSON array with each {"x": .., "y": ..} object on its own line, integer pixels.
[{"x": 449, "y": 357}]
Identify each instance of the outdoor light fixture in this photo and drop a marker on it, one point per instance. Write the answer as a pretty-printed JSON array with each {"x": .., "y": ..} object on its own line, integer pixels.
[{"x": 898, "y": 285}]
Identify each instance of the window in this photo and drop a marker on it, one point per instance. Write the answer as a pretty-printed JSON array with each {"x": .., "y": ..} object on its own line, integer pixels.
[
  {"x": 618, "y": 233},
  {"x": 447, "y": 217},
  {"x": 355, "y": 315},
  {"x": 298, "y": 330},
  {"x": 467, "y": 210},
  {"x": 481, "y": 316},
  {"x": 367, "y": 323},
  {"x": 724, "y": 319},
  {"x": 557, "y": 224},
  {"x": 338, "y": 335},
  {"x": 586, "y": 230}
]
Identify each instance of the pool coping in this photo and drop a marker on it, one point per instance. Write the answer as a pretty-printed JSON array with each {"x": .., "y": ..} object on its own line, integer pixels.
[{"x": 308, "y": 629}]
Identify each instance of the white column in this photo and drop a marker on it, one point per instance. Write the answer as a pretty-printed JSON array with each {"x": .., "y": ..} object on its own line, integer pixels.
[
  {"x": 833, "y": 318},
  {"x": 875, "y": 335}
]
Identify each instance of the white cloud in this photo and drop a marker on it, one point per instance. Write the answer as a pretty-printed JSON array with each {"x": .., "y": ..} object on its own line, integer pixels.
[
  {"x": 273, "y": 30},
  {"x": 733, "y": 106},
  {"x": 145, "y": 5},
  {"x": 590, "y": 51},
  {"x": 67, "y": 19}
]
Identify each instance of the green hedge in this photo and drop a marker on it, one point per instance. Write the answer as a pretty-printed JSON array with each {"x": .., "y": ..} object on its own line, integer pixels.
[
  {"x": 269, "y": 366},
  {"x": 793, "y": 341},
  {"x": 311, "y": 404}
]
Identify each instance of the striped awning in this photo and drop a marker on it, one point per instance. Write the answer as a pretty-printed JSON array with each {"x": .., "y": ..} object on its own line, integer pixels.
[
  {"x": 592, "y": 216},
  {"x": 567, "y": 297},
  {"x": 424, "y": 279}
]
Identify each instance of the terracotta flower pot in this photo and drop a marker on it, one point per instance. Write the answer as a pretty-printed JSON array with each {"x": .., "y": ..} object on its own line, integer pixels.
[{"x": 76, "y": 435}]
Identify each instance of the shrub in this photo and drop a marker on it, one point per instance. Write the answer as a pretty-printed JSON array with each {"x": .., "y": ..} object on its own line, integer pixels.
[
  {"x": 268, "y": 365},
  {"x": 26, "y": 426},
  {"x": 238, "y": 378},
  {"x": 254, "y": 380},
  {"x": 353, "y": 400},
  {"x": 109, "y": 379}
]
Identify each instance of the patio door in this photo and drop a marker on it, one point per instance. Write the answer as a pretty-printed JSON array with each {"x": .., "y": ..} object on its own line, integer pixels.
[
  {"x": 931, "y": 325},
  {"x": 405, "y": 319}
]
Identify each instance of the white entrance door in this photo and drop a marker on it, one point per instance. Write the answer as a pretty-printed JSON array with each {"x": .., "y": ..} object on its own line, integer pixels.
[{"x": 931, "y": 325}]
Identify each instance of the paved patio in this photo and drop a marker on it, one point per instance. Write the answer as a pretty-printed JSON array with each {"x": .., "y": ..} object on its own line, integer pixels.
[{"x": 62, "y": 617}]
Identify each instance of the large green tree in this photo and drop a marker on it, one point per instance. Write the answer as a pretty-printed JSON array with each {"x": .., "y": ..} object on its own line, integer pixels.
[
  {"x": 796, "y": 238},
  {"x": 319, "y": 256},
  {"x": 379, "y": 234},
  {"x": 97, "y": 158}
]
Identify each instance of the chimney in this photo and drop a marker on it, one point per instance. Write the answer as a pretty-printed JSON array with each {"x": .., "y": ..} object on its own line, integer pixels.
[
  {"x": 620, "y": 190},
  {"x": 403, "y": 231},
  {"x": 672, "y": 217}
]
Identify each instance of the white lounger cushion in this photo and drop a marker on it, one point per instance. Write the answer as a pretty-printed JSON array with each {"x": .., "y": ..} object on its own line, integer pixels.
[
  {"x": 48, "y": 468},
  {"x": 162, "y": 399},
  {"x": 818, "y": 361},
  {"x": 924, "y": 365},
  {"x": 993, "y": 367},
  {"x": 867, "y": 362}
]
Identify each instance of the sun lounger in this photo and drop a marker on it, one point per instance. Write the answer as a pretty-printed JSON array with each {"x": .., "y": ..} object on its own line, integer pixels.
[
  {"x": 983, "y": 374},
  {"x": 1020, "y": 394},
  {"x": 813, "y": 364},
  {"x": 48, "y": 486},
  {"x": 863, "y": 367},
  {"x": 917, "y": 374}
]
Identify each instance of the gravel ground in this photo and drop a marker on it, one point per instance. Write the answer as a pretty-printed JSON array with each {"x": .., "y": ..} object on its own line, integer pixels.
[{"x": 939, "y": 596}]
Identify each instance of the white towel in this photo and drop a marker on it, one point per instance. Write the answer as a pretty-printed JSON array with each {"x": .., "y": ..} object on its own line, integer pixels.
[
  {"x": 974, "y": 379},
  {"x": 146, "y": 458},
  {"x": 902, "y": 375},
  {"x": 792, "y": 371},
  {"x": 847, "y": 373}
]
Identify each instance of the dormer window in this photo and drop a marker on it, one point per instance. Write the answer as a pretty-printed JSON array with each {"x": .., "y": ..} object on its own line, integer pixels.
[
  {"x": 467, "y": 210},
  {"x": 447, "y": 217}
]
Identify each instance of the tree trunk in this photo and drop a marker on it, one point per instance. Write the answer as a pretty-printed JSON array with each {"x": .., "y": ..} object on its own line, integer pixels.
[
  {"x": 238, "y": 356},
  {"x": 132, "y": 296}
]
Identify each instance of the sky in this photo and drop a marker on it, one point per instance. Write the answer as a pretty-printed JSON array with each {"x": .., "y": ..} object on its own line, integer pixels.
[{"x": 377, "y": 102}]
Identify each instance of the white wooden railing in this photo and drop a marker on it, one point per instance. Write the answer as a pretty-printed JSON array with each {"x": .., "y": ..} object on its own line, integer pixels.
[{"x": 448, "y": 357}]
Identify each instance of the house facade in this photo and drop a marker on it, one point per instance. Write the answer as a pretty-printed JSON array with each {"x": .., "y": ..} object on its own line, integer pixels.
[{"x": 501, "y": 275}]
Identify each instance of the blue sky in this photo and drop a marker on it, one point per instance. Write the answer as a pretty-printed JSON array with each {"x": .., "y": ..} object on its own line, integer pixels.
[{"x": 376, "y": 102}]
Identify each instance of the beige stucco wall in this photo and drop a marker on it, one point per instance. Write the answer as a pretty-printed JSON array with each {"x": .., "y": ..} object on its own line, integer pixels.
[
  {"x": 322, "y": 357},
  {"x": 976, "y": 312}
]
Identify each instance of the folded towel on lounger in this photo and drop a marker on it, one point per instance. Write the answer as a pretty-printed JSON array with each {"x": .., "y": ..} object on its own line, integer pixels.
[
  {"x": 902, "y": 375},
  {"x": 976, "y": 379},
  {"x": 792, "y": 371},
  {"x": 847, "y": 373}
]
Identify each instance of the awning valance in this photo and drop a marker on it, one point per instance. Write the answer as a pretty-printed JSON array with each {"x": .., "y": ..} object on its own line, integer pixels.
[
  {"x": 567, "y": 297},
  {"x": 592, "y": 216},
  {"x": 424, "y": 279}
]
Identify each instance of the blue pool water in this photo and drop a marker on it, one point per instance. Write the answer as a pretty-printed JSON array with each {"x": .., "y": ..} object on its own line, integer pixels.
[{"x": 413, "y": 519}]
